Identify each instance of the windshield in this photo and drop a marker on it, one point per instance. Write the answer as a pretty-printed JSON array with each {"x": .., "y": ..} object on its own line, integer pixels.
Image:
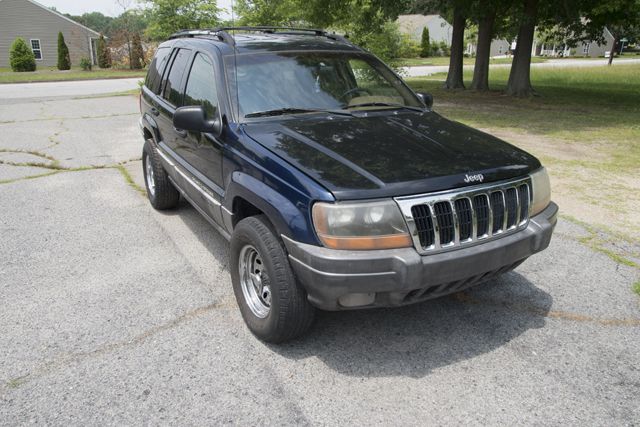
[{"x": 295, "y": 82}]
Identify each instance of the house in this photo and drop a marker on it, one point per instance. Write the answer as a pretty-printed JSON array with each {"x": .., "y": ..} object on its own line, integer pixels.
[
  {"x": 439, "y": 29},
  {"x": 39, "y": 26},
  {"x": 586, "y": 48},
  {"x": 499, "y": 47}
]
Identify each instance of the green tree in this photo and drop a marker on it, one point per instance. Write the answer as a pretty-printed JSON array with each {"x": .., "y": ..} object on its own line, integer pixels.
[
  {"x": 64, "y": 61},
  {"x": 490, "y": 17},
  {"x": 94, "y": 20},
  {"x": 104, "y": 54},
  {"x": 425, "y": 43},
  {"x": 21, "y": 57},
  {"x": 368, "y": 23},
  {"x": 168, "y": 16},
  {"x": 620, "y": 17},
  {"x": 137, "y": 54}
]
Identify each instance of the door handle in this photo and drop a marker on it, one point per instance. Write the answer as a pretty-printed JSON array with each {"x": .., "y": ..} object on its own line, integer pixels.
[
  {"x": 180, "y": 132},
  {"x": 154, "y": 111}
]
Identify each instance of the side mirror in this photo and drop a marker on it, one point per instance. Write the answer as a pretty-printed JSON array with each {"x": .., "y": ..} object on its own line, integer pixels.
[
  {"x": 194, "y": 119},
  {"x": 426, "y": 98}
]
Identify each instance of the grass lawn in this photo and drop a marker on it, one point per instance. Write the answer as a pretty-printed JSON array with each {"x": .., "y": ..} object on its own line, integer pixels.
[
  {"x": 584, "y": 126},
  {"x": 444, "y": 60},
  {"x": 45, "y": 74}
]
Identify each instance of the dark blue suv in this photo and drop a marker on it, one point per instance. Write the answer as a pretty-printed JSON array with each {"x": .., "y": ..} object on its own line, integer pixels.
[{"x": 337, "y": 185}]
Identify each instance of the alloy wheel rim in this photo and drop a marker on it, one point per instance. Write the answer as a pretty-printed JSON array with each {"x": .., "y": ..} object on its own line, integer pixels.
[
  {"x": 254, "y": 281},
  {"x": 151, "y": 183}
]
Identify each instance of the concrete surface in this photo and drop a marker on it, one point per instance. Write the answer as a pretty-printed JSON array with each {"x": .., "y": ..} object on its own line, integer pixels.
[
  {"x": 114, "y": 314},
  {"x": 52, "y": 90}
]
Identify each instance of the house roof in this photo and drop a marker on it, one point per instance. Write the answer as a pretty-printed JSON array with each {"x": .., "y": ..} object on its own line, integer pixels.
[{"x": 62, "y": 16}]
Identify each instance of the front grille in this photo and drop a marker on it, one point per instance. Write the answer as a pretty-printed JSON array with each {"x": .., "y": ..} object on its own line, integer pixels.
[
  {"x": 452, "y": 219},
  {"x": 444, "y": 219}
]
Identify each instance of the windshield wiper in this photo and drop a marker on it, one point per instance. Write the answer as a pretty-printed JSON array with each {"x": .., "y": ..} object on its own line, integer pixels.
[
  {"x": 386, "y": 104},
  {"x": 295, "y": 110}
]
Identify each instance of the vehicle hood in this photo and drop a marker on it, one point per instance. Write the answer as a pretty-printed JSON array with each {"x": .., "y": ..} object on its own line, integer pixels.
[{"x": 391, "y": 154}]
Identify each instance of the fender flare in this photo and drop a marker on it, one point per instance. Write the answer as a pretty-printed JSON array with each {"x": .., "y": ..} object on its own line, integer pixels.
[
  {"x": 287, "y": 218},
  {"x": 149, "y": 124}
]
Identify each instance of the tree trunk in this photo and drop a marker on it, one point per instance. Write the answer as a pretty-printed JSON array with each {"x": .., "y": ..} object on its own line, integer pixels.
[
  {"x": 481, "y": 69},
  {"x": 454, "y": 76},
  {"x": 520, "y": 75},
  {"x": 613, "y": 50}
]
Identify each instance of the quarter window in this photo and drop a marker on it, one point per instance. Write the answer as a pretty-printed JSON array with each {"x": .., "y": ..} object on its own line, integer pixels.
[
  {"x": 201, "y": 86},
  {"x": 154, "y": 76},
  {"x": 35, "y": 47},
  {"x": 172, "y": 87}
]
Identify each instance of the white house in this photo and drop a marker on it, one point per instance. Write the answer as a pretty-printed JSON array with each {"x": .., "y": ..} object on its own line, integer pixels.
[{"x": 439, "y": 29}]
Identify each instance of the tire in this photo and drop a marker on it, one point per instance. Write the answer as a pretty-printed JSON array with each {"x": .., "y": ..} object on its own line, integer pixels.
[
  {"x": 288, "y": 314},
  {"x": 161, "y": 192}
]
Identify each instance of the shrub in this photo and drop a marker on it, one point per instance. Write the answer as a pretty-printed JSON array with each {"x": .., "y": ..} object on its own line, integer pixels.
[
  {"x": 425, "y": 44},
  {"x": 21, "y": 57},
  {"x": 408, "y": 48},
  {"x": 384, "y": 43},
  {"x": 445, "y": 48},
  {"x": 85, "y": 64},
  {"x": 137, "y": 54},
  {"x": 104, "y": 53},
  {"x": 64, "y": 62}
]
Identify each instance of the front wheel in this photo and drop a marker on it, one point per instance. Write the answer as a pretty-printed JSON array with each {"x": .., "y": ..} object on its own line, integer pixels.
[{"x": 273, "y": 305}]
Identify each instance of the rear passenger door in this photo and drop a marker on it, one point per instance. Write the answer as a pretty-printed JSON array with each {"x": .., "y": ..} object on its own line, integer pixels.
[{"x": 171, "y": 98}]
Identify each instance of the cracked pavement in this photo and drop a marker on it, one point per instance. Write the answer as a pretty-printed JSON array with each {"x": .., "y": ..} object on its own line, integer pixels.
[{"x": 112, "y": 313}]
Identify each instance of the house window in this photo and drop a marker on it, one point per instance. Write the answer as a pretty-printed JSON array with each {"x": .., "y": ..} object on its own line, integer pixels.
[
  {"x": 585, "y": 48},
  {"x": 35, "y": 47}
]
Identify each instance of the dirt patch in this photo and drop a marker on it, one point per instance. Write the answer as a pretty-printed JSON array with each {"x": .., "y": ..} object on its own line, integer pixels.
[{"x": 604, "y": 198}]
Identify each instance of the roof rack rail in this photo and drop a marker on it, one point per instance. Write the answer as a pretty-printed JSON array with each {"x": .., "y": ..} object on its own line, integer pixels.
[
  {"x": 217, "y": 32},
  {"x": 223, "y": 33}
]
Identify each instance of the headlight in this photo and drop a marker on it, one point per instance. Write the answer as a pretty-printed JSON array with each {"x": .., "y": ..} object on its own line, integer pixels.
[
  {"x": 541, "y": 189},
  {"x": 360, "y": 226}
]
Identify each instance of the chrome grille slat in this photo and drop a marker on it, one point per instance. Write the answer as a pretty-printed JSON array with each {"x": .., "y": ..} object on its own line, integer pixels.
[{"x": 453, "y": 219}]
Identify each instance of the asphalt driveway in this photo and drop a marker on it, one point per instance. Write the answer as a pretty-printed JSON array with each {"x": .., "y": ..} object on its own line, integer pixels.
[{"x": 113, "y": 313}]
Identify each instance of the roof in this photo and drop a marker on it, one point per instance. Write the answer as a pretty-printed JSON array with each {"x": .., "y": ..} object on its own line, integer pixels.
[
  {"x": 63, "y": 17},
  {"x": 277, "y": 41},
  {"x": 283, "y": 42}
]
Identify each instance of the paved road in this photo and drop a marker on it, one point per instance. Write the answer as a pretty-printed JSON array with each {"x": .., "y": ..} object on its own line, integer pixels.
[
  {"x": 114, "y": 314},
  {"x": 552, "y": 63},
  {"x": 52, "y": 90}
]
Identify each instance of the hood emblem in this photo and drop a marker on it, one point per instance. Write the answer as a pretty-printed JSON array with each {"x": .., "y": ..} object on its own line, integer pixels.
[{"x": 473, "y": 178}]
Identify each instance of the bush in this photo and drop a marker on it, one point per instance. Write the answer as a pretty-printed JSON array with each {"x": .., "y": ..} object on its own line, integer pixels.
[
  {"x": 137, "y": 54},
  {"x": 64, "y": 61},
  {"x": 445, "y": 48},
  {"x": 384, "y": 43},
  {"x": 425, "y": 44},
  {"x": 409, "y": 48},
  {"x": 104, "y": 54},
  {"x": 85, "y": 64},
  {"x": 21, "y": 57}
]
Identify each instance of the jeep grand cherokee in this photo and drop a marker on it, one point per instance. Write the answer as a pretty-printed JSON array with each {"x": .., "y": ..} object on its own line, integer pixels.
[{"x": 337, "y": 185}]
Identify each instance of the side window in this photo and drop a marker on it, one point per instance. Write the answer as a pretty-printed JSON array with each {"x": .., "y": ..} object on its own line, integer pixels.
[
  {"x": 172, "y": 87},
  {"x": 154, "y": 76},
  {"x": 201, "y": 86}
]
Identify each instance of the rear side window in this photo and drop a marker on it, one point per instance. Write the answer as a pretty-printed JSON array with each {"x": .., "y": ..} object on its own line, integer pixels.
[
  {"x": 172, "y": 87},
  {"x": 201, "y": 85},
  {"x": 154, "y": 76}
]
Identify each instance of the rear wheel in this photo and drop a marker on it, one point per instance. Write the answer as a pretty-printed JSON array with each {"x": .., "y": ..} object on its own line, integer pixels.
[
  {"x": 273, "y": 304},
  {"x": 161, "y": 192}
]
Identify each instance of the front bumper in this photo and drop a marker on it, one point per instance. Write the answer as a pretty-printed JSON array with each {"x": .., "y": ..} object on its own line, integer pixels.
[{"x": 338, "y": 279}]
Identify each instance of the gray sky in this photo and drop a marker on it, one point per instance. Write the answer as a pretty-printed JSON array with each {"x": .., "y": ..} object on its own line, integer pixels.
[{"x": 107, "y": 7}]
